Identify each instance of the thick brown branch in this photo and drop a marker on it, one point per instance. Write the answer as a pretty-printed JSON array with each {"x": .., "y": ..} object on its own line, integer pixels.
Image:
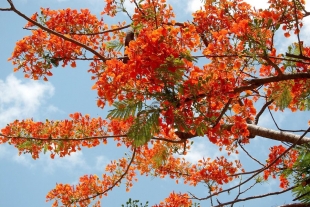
[
  {"x": 276, "y": 135},
  {"x": 275, "y": 66},
  {"x": 254, "y": 83}
]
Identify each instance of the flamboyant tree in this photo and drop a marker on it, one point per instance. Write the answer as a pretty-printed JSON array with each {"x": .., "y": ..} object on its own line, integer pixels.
[{"x": 163, "y": 97}]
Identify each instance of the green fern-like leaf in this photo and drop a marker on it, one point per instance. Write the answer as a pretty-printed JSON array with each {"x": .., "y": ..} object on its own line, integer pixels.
[
  {"x": 114, "y": 45},
  {"x": 300, "y": 174},
  {"x": 124, "y": 109},
  {"x": 144, "y": 127},
  {"x": 161, "y": 157},
  {"x": 302, "y": 193},
  {"x": 284, "y": 99}
]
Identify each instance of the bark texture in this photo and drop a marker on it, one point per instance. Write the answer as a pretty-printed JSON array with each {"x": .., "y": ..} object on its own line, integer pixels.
[{"x": 276, "y": 135}]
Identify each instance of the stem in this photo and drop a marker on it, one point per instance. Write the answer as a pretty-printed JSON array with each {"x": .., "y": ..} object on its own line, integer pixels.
[{"x": 56, "y": 33}]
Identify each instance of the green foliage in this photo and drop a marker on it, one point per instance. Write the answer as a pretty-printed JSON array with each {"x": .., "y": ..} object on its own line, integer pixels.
[
  {"x": 134, "y": 203},
  {"x": 114, "y": 45},
  {"x": 144, "y": 127},
  {"x": 161, "y": 158},
  {"x": 290, "y": 64},
  {"x": 300, "y": 174},
  {"x": 195, "y": 205},
  {"x": 124, "y": 109},
  {"x": 187, "y": 55},
  {"x": 304, "y": 104},
  {"x": 302, "y": 193},
  {"x": 284, "y": 98},
  {"x": 51, "y": 60}
]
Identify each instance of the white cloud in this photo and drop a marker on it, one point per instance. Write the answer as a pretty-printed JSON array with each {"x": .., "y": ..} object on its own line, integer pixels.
[
  {"x": 130, "y": 7},
  {"x": 101, "y": 162},
  {"x": 261, "y": 4},
  {"x": 24, "y": 160},
  {"x": 3, "y": 151},
  {"x": 193, "y": 5},
  {"x": 203, "y": 148},
  {"x": 74, "y": 161},
  {"x": 22, "y": 99}
]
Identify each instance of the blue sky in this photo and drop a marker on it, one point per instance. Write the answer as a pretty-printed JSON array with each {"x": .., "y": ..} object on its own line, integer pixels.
[{"x": 25, "y": 182}]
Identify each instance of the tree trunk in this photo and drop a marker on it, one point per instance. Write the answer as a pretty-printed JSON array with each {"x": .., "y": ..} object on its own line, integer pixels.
[{"x": 276, "y": 135}]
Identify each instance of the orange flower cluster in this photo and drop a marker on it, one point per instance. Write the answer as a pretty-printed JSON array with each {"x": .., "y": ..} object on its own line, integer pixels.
[
  {"x": 214, "y": 99},
  {"x": 175, "y": 199},
  {"x": 58, "y": 137},
  {"x": 285, "y": 161},
  {"x": 91, "y": 187}
]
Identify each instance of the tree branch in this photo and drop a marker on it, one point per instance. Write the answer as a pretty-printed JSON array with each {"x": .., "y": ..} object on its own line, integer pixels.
[
  {"x": 222, "y": 112},
  {"x": 118, "y": 181},
  {"x": 56, "y": 33},
  {"x": 95, "y": 137},
  {"x": 300, "y": 56},
  {"x": 254, "y": 83},
  {"x": 258, "y": 55},
  {"x": 5, "y": 9},
  {"x": 262, "y": 110},
  {"x": 262, "y": 169},
  {"x": 276, "y": 135},
  {"x": 275, "y": 66},
  {"x": 254, "y": 197},
  {"x": 283, "y": 130},
  {"x": 296, "y": 205},
  {"x": 251, "y": 155}
]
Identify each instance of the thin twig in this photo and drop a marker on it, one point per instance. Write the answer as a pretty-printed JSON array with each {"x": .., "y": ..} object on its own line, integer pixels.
[
  {"x": 222, "y": 112},
  {"x": 86, "y": 138},
  {"x": 118, "y": 181},
  {"x": 275, "y": 66},
  {"x": 243, "y": 192},
  {"x": 268, "y": 166},
  {"x": 155, "y": 14},
  {"x": 239, "y": 193},
  {"x": 96, "y": 33},
  {"x": 283, "y": 130},
  {"x": 255, "y": 197},
  {"x": 296, "y": 19},
  {"x": 250, "y": 155},
  {"x": 56, "y": 33},
  {"x": 259, "y": 55},
  {"x": 5, "y": 9},
  {"x": 297, "y": 56},
  {"x": 138, "y": 7},
  {"x": 302, "y": 6},
  {"x": 245, "y": 173},
  {"x": 262, "y": 110}
]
